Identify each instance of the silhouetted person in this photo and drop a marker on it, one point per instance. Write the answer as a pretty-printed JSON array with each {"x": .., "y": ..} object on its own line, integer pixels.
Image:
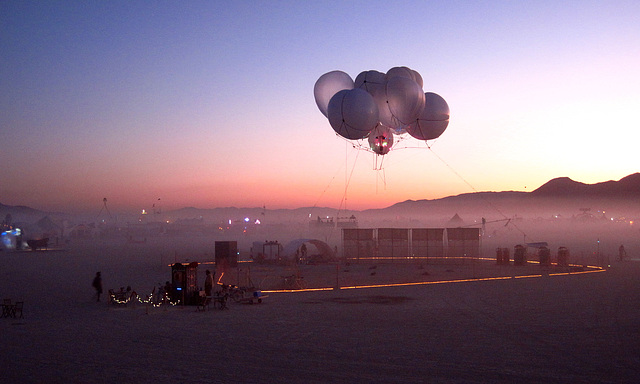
[
  {"x": 97, "y": 284},
  {"x": 622, "y": 253},
  {"x": 208, "y": 283}
]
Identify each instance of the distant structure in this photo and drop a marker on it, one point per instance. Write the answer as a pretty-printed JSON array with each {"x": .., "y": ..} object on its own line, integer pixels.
[
  {"x": 104, "y": 208},
  {"x": 395, "y": 244},
  {"x": 322, "y": 222},
  {"x": 339, "y": 222},
  {"x": 347, "y": 222}
]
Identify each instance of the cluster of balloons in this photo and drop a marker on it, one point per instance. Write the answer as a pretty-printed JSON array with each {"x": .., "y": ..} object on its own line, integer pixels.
[{"x": 379, "y": 106}]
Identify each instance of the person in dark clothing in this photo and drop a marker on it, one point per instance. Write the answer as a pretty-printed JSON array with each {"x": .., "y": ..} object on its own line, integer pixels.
[
  {"x": 97, "y": 284},
  {"x": 208, "y": 284},
  {"x": 622, "y": 253}
]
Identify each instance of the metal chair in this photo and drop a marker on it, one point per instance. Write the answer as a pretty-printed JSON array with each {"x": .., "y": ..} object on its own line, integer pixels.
[
  {"x": 220, "y": 301},
  {"x": 17, "y": 308},
  {"x": 6, "y": 308}
]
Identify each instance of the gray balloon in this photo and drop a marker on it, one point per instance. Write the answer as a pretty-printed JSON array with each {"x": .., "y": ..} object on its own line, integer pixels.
[
  {"x": 353, "y": 113},
  {"x": 402, "y": 104},
  {"x": 433, "y": 120},
  {"x": 328, "y": 85},
  {"x": 371, "y": 81}
]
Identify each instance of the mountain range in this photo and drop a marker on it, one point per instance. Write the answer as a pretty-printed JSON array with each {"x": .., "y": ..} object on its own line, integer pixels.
[
  {"x": 557, "y": 195},
  {"x": 627, "y": 187},
  {"x": 561, "y": 195}
]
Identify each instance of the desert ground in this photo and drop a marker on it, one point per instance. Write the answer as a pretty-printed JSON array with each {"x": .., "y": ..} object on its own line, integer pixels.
[{"x": 577, "y": 328}]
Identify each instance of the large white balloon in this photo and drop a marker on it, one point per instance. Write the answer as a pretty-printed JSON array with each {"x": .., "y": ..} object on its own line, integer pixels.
[
  {"x": 353, "y": 113},
  {"x": 371, "y": 81},
  {"x": 405, "y": 72},
  {"x": 433, "y": 120},
  {"x": 402, "y": 103},
  {"x": 381, "y": 140},
  {"x": 417, "y": 78},
  {"x": 374, "y": 82},
  {"x": 328, "y": 85},
  {"x": 399, "y": 71}
]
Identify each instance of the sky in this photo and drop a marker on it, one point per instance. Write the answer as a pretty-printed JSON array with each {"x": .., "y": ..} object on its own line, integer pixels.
[{"x": 210, "y": 104}]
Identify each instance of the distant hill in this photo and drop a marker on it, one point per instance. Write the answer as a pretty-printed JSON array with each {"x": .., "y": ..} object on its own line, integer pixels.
[
  {"x": 627, "y": 187},
  {"x": 559, "y": 195},
  {"x": 20, "y": 213}
]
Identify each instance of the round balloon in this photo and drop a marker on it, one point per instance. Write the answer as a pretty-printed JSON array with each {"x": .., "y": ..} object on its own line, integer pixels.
[
  {"x": 381, "y": 140},
  {"x": 401, "y": 72},
  {"x": 417, "y": 78},
  {"x": 433, "y": 120},
  {"x": 402, "y": 104},
  {"x": 328, "y": 85},
  {"x": 353, "y": 113},
  {"x": 405, "y": 72},
  {"x": 371, "y": 81}
]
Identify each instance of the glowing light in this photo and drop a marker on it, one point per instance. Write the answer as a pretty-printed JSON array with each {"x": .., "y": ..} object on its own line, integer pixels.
[
  {"x": 592, "y": 268},
  {"x": 144, "y": 212},
  {"x": 257, "y": 221},
  {"x": 151, "y": 298},
  {"x": 246, "y": 219}
]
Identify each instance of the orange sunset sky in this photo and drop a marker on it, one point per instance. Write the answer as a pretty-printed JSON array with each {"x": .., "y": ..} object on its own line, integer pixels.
[{"x": 210, "y": 104}]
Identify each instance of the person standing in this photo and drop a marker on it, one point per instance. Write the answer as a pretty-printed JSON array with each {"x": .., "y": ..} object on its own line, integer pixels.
[
  {"x": 208, "y": 284},
  {"x": 97, "y": 284},
  {"x": 622, "y": 253}
]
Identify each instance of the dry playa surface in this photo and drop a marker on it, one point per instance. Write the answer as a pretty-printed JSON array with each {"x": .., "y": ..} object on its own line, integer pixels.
[{"x": 578, "y": 328}]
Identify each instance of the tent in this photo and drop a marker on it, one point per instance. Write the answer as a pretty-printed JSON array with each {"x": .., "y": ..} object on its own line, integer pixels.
[
  {"x": 323, "y": 253},
  {"x": 455, "y": 220}
]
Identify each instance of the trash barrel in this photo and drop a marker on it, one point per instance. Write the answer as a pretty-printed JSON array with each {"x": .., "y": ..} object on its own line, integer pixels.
[
  {"x": 505, "y": 256},
  {"x": 519, "y": 255},
  {"x": 544, "y": 256},
  {"x": 563, "y": 256}
]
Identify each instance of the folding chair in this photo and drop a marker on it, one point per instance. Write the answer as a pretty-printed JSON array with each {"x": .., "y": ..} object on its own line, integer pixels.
[
  {"x": 17, "y": 308},
  {"x": 221, "y": 301},
  {"x": 203, "y": 302},
  {"x": 6, "y": 308}
]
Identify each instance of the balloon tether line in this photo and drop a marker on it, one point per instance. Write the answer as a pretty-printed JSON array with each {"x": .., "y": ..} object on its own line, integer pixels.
[
  {"x": 379, "y": 169},
  {"x": 347, "y": 182},
  {"x": 326, "y": 188},
  {"x": 475, "y": 190}
]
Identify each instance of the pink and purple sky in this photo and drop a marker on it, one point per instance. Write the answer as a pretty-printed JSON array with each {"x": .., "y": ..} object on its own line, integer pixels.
[{"x": 210, "y": 104}]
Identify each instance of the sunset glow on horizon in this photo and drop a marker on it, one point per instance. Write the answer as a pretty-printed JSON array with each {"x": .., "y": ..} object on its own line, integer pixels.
[{"x": 210, "y": 104}]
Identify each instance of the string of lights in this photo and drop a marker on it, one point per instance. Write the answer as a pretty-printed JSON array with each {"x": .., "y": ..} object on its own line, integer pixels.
[{"x": 150, "y": 299}]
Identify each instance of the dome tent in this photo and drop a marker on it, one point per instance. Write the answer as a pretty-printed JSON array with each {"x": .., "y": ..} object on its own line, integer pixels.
[{"x": 324, "y": 251}]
